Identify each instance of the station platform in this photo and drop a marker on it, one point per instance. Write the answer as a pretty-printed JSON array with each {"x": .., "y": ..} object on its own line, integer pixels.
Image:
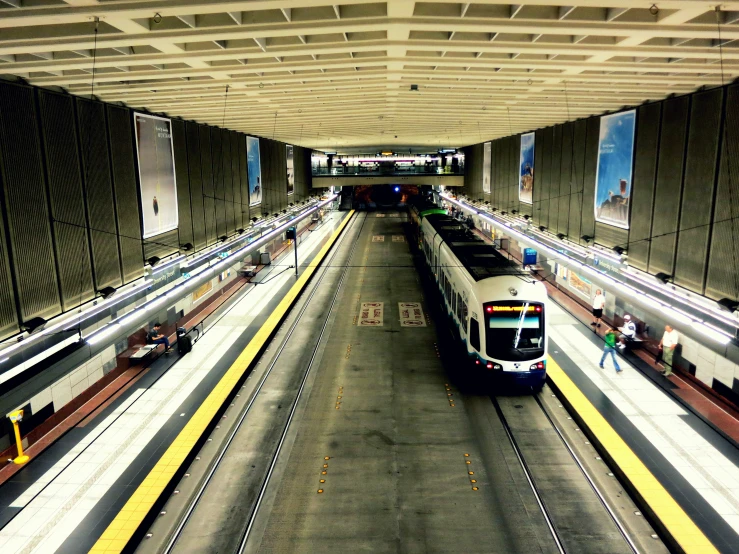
[
  {"x": 413, "y": 461},
  {"x": 64, "y": 499},
  {"x": 697, "y": 466}
]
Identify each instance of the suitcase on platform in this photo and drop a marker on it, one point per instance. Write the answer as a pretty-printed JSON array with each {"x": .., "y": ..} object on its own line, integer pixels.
[{"x": 184, "y": 344}]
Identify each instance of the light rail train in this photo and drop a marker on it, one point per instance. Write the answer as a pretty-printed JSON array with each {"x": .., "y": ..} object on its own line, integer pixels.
[{"x": 499, "y": 310}]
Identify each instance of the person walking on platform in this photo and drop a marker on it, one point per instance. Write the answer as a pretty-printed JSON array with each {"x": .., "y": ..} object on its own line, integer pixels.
[
  {"x": 610, "y": 347},
  {"x": 667, "y": 346},
  {"x": 599, "y": 303}
]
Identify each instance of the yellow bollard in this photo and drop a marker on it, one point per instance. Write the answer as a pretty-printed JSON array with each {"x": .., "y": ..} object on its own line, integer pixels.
[{"x": 16, "y": 417}]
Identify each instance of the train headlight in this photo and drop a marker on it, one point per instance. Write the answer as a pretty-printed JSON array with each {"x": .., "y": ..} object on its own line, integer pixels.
[{"x": 537, "y": 365}]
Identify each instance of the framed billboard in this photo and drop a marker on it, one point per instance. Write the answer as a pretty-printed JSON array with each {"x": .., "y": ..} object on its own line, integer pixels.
[
  {"x": 254, "y": 169},
  {"x": 526, "y": 169},
  {"x": 486, "y": 165},
  {"x": 614, "y": 173},
  {"x": 290, "y": 170},
  {"x": 157, "y": 184}
]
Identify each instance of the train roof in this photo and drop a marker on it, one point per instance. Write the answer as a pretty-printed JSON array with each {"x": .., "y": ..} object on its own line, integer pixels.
[
  {"x": 480, "y": 259},
  {"x": 422, "y": 204}
]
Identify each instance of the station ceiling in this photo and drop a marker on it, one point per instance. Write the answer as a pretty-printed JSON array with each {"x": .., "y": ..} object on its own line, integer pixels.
[{"x": 328, "y": 76}]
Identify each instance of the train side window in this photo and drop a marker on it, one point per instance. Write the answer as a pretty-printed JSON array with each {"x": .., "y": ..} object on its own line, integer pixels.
[{"x": 474, "y": 334}]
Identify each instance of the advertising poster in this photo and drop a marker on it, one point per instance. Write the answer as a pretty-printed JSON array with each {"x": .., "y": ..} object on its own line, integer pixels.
[
  {"x": 526, "y": 169},
  {"x": 254, "y": 169},
  {"x": 613, "y": 177},
  {"x": 290, "y": 170},
  {"x": 156, "y": 174},
  {"x": 486, "y": 164},
  {"x": 581, "y": 285}
]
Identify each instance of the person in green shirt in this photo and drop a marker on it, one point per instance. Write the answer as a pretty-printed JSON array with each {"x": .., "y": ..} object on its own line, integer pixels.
[{"x": 610, "y": 347}]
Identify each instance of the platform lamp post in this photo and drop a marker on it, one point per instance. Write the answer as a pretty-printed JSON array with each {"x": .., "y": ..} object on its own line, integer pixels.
[
  {"x": 292, "y": 234},
  {"x": 16, "y": 417}
]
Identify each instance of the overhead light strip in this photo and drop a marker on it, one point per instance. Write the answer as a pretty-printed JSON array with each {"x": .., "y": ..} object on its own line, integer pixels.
[{"x": 639, "y": 296}]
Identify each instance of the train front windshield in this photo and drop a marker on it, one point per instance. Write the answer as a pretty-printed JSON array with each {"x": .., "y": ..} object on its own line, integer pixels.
[{"x": 514, "y": 330}]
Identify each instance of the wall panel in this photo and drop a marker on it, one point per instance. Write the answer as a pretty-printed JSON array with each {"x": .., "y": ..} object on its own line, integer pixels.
[
  {"x": 645, "y": 174},
  {"x": 125, "y": 190},
  {"x": 587, "y": 227},
  {"x": 66, "y": 198},
  {"x": 698, "y": 189},
  {"x": 233, "y": 138},
  {"x": 247, "y": 210},
  {"x": 8, "y": 313},
  {"x": 723, "y": 266},
  {"x": 228, "y": 195},
  {"x": 99, "y": 193},
  {"x": 578, "y": 168},
  {"x": 216, "y": 147},
  {"x": 184, "y": 213},
  {"x": 555, "y": 177},
  {"x": 195, "y": 178},
  {"x": 538, "y": 177},
  {"x": 546, "y": 181},
  {"x": 565, "y": 179},
  {"x": 515, "y": 147},
  {"x": 496, "y": 165},
  {"x": 302, "y": 172},
  {"x": 668, "y": 184},
  {"x": 26, "y": 205},
  {"x": 209, "y": 205}
]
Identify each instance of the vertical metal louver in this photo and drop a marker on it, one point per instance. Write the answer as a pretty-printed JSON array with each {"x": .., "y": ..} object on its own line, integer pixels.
[
  {"x": 32, "y": 253},
  {"x": 66, "y": 198},
  {"x": 99, "y": 193}
]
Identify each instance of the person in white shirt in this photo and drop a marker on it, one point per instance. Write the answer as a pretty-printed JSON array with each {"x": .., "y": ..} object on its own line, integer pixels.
[
  {"x": 667, "y": 346},
  {"x": 628, "y": 331},
  {"x": 598, "y": 303}
]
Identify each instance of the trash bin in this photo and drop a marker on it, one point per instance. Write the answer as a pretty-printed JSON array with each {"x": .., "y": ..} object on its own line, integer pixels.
[{"x": 265, "y": 259}]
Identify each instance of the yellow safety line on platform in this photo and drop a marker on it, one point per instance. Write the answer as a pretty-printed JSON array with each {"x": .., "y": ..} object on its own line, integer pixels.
[
  {"x": 128, "y": 520},
  {"x": 675, "y": 521}
]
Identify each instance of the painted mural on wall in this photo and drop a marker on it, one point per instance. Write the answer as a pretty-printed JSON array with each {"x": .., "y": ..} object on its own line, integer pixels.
[
  {"x": 254, "y": 168},
  {"x": 526, "y": 169},
  {"x": 290, "y": 169},
  {"x": 580, "y": 284},
  {"x": 615, "y": 162},
  {"x": 486, "y": 165},
  {"x": 156, "y": 174}
]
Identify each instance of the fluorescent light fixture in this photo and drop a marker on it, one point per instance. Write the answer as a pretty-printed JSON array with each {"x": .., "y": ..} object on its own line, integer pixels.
[
  {"x": 129, "y": 318},
  {"x": 675, "y": 315},
  {"x": 652, "y": 302},
  {"x": 711, "y": 333},
  {"x": 71, "y": 322},
  {"x": 685, "y": 298},
  {"x": 21, "y": 367},
  {"x": 104, "y": 334}
]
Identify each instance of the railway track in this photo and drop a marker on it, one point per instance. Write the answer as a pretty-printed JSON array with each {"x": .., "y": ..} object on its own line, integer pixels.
[
  {"x": 186, "y": 518},
  {"x": 560, "y": 538}
]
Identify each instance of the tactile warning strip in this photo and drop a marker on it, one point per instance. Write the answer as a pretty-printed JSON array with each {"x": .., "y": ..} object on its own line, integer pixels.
[
  {"x": 674, "y": 521},
  {"x": 117, "y": 535}
]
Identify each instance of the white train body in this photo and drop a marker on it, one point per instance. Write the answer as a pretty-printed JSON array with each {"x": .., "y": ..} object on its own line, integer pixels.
[{"x": 498, "y": 309}]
